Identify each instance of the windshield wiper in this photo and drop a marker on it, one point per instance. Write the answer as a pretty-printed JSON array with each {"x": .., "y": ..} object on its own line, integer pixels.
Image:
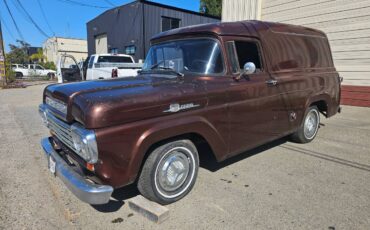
[
  {"x": 170, "y": 70},
  {"x": 156, "y": 65}
]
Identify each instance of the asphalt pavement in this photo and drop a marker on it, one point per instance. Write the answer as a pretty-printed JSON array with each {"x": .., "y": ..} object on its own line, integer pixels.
[{"x": 321, "y": 185}]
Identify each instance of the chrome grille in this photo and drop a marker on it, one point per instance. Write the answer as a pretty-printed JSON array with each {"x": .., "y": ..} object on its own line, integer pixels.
[{"x": 61, "y": 130}]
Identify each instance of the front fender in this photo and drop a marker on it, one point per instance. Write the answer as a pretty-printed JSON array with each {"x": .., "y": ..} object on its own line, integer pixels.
[
  {"x": 177, "y": 127},
  {"x": 122, "y": 148}
]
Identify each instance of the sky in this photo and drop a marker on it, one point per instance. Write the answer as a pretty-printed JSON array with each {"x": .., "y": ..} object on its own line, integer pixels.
[{"x": 60, "y": 17}]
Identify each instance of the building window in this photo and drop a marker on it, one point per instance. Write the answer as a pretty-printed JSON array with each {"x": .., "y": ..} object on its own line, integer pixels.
[
  {"x": 170, "y": 23},
  {"x": 113, "y": 50},
  {"x": 131, "y": 50}
]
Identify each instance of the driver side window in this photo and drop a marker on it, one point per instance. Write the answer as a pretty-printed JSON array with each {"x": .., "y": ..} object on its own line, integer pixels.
[{"x": 247, "y": 51}]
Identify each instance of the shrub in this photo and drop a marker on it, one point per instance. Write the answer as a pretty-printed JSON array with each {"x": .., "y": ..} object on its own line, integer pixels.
[
  {"x": 49, "y": 65},
  {"x": 9, "y": 73}
]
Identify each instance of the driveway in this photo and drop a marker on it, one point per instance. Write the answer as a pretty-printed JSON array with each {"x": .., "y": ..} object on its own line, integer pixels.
[{"x": 321, "y": 185}]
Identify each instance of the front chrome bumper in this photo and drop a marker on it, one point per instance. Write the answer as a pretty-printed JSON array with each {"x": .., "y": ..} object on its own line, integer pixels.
[{"x": 79, "y": 186}]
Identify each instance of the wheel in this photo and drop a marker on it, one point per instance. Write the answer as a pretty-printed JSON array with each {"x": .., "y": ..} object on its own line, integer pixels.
[
  {"x": 170, "y": 172},
  {"x": 51, "y": 75},
  {"x": 18, "y": 75},
  {"x": 309, "y": 127}
]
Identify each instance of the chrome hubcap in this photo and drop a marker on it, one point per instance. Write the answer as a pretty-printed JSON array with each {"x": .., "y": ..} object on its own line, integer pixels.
[
  {"x": 311, "y": 124},
  {"x": 173, "y": 171}
]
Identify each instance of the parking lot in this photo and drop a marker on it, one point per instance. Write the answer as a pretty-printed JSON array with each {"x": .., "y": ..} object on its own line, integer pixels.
[{"x": 282, "y": 185}]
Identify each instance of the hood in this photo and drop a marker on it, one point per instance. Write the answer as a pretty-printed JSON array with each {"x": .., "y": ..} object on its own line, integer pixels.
[{"x": 103, "y": 103}]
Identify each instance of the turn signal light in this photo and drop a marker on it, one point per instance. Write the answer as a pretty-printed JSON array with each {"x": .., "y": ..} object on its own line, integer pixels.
[
  {"x": 90, "y": 167},
  {"x": 114, "y": 73}
]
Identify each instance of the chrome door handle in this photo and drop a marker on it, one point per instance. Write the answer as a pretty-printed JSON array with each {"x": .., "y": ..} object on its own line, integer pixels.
[{"x": 271, "y": 82}]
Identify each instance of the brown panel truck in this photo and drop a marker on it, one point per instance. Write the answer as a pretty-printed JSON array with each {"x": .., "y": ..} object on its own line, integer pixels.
[{"x": 230, "y": 86}]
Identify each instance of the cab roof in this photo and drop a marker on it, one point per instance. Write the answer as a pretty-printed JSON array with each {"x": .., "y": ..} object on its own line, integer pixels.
[{"x": 251, "y": 28}]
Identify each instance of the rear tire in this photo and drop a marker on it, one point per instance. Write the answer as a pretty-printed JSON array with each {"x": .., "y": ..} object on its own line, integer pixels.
[
  {"x": 307, "y": 131},
  {"x": 170, "y": 172}
]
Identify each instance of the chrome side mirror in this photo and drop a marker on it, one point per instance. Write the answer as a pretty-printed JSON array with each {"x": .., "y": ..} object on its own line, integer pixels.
[{"x": 249, "y": 68}]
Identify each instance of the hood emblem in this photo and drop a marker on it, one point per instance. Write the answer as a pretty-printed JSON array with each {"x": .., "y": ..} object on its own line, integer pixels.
[{"x": 174, "y": 108}]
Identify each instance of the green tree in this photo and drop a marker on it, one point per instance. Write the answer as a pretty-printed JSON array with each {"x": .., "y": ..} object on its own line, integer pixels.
[
  {"x": 212, "y": 7},
  {"x": 38, "y": 57},
  {"x": 18, "y": 53}
]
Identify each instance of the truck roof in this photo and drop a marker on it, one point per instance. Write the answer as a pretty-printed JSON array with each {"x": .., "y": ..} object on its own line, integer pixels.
[
  {"x": 122, "y": 55},
  {"x": 242, "y": 28}
]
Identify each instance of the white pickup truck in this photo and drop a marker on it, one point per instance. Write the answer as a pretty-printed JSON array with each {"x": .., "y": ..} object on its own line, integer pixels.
[
  {"x": 99, "y": 66},
  {"x": 29, "y": 70}
]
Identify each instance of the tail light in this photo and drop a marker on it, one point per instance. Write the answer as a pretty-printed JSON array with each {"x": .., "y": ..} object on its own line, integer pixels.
[{"x": 114, "y": 73}]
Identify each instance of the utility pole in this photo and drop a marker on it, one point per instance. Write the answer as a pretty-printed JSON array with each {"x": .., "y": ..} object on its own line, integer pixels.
[{"x": 2, "y": 59}]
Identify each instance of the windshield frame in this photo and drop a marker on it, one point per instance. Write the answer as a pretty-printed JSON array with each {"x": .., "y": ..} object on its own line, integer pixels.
[{"x": 219, "y": 43}]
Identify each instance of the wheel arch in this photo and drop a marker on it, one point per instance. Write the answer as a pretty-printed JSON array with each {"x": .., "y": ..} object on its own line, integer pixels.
[
  {"x": 196, "y": 129},
  {"x": 19, "y": 72},
  {"x": 322, "y": 102}
]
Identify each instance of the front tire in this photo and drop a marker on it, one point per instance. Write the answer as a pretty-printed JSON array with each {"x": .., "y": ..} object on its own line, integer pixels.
[
  {"x": 170, "y": 172},
  {"x": 18, "y": 75},
  {"x": 310, "y": 125},
  {"x": 51, "y": 76}
]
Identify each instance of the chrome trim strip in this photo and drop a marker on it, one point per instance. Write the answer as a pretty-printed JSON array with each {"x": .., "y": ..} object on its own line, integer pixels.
[{"x": 79, "y": 186}]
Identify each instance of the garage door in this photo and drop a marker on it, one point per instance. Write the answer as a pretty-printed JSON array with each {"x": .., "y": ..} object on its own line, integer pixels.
[
  {"x": 346, "y": 22},
  {"x": 101, "y": 44}
]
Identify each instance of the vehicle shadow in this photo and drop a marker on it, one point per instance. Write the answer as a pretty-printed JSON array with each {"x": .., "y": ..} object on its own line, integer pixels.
[
  {"x": 209, "y": 162},
  {"x": 119, "y": 196}
]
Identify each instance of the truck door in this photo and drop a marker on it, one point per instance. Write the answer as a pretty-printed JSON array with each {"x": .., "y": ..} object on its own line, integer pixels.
[
  {"x": 68, "y": 69},
  {"x": 31, "y": 70},
  {"x": 255, "y": 107},
  {"x": 40, "y": 71}
]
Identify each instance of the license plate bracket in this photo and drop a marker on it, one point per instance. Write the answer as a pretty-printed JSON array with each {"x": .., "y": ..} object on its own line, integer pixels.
[{"x": 52, "y": 165}]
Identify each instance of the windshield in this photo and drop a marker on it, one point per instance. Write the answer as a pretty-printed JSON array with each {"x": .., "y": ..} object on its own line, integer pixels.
[{"x": 202, "y": 56}]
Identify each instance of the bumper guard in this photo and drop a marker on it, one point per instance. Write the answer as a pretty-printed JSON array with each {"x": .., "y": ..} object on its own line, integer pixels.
[{"x": 79, "y": 186}]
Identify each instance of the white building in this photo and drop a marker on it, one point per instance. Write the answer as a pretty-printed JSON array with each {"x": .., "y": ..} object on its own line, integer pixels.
[
  {"x": 55, "y": 46},
  {"x": 346, "y": 22}
]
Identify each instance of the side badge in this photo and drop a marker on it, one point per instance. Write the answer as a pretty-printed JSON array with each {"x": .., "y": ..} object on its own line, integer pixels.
[
  {"x": 174, "y": 108},
  {"x": 292, "y": 116}
]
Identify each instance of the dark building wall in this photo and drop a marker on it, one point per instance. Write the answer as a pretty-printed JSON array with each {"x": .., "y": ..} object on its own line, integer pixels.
[
  {"x": 153, "y": 20},
  {"x": 124, "y": 25},
  {"x": 32, "y": 50}
]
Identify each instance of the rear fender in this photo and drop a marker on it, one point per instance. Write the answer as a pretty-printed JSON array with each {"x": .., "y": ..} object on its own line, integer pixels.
[{"x": 321, "y": 97}]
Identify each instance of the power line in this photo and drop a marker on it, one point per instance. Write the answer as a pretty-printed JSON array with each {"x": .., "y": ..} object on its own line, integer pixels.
[
  {"x": 82, "y": 4},
  {"x": 32, "y": 21},
  {"x": 14, "y": 22},
  {"x": 7, "y": 28},
  {"x": 110, "y": 3},
  {"x": 44, "y": 15},
  {"x": 20, "y": 11}
]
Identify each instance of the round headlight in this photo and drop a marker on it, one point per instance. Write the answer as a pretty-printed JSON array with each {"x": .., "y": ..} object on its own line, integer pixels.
[
  {"x": 84, "y": 142},
  {"x": 77, "y": 141}
]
